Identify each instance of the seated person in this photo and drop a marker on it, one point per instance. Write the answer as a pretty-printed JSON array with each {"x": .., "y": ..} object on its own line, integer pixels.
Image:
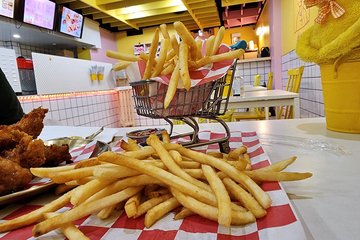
[{"x": 10, "y": 108}]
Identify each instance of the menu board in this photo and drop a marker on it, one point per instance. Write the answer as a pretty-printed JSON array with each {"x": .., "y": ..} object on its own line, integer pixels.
[
  {"x": 40, "y": 13},
  {"x": 71, "y": 22},
  {"x": 7, "y": 8}
]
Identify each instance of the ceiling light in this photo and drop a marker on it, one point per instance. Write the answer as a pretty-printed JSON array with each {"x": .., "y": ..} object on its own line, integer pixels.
[{"x": 16, "y": 36}]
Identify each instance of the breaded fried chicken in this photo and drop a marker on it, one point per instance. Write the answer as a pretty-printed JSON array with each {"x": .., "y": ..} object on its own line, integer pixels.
[
  {"x": 12, "y": 176},
  {"x": 32, "y": 123},
  {"x": 56, "y": 154},
  {"x": 9, "y": 137}
]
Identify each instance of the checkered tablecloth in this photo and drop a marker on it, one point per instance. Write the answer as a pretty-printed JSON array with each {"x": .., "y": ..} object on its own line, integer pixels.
[{"x": 280, "y": 222}]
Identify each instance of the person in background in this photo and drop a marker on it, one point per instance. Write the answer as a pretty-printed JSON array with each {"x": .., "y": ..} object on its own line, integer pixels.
[{"x": 10, "y": 108}]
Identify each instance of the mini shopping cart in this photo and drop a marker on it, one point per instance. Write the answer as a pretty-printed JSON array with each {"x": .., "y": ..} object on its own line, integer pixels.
[{"x": 207, "y": 101}]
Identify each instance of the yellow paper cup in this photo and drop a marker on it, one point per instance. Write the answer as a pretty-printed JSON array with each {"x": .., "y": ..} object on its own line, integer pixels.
[
  {"x": 100, "y": 76},
  {"x": 93, "y": 76},
  {"x": 341, "y": 90}
]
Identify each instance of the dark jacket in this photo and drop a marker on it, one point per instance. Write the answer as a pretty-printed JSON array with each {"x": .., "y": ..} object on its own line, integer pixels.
[{"x": 10, "y": 108}]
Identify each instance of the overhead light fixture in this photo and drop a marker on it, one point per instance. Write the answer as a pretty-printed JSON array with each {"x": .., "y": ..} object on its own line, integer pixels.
[{"x": 16, "y": 36}]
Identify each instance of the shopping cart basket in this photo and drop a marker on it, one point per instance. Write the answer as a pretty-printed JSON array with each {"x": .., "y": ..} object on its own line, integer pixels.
[{"x": 208, "y": 101}]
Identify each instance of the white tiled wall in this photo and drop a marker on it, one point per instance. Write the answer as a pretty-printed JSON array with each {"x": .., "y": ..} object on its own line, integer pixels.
[
  {"x": 311, "y": 98},
  {"x": 248, "y": 70},
  {"x": 99, "y": 108}
]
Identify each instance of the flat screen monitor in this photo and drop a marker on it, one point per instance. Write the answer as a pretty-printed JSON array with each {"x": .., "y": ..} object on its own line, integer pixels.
[
  {"x": 39, "y": 13},
  {"x": 71, "y": 22},
  {"x": 7, "y": 8}
]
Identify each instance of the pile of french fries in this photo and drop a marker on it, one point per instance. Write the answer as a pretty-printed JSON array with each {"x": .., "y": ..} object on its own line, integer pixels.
[
  {"x": 176, "y": 58},
  {"x": 155, "y": 180}
]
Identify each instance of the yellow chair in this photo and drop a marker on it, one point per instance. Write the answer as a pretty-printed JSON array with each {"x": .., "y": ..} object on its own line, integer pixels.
[
  {"x": 293, "y": 85},
  {"x": 257, "y": 113}
]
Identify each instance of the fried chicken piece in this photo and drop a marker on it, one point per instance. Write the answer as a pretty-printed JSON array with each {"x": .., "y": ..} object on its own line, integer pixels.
[
  {"x": 12, "y": 176},
  {"x": 55, "y": 155},
  {"x": 27, "y": 153},
  {"x": 32, "y": 123},
  {"x": 9, "y": 137}
]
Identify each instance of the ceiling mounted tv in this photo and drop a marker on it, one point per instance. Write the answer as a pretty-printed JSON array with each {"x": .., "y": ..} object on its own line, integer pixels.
[
  {"x": 71, "y": 22},
  {"x": 39, "y": 13},
  {"x": 7, "y": 8}
]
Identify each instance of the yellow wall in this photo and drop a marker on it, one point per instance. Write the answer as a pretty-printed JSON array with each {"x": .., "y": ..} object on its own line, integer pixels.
[
  {"x": 291, "y": 25},
  {"x": 264, "y": 39},
  {"x": 126, "y": 44},
  {"x": 247, "y": 33}
]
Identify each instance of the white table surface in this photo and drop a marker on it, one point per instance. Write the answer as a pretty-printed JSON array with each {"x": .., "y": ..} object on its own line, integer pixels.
[
  {"x": 250, "y": 88},
  {"x": 327, "y": 203},
  {"x": 269, "y": 98}
]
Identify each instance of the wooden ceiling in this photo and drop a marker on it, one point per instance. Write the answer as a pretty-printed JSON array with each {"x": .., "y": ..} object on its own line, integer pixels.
[{"x": 132, "y": 15}]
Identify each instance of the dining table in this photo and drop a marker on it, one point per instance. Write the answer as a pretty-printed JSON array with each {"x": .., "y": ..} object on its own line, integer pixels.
[
  {"x": 266, "y": 99},
  {"x": 325, "y": 205}
]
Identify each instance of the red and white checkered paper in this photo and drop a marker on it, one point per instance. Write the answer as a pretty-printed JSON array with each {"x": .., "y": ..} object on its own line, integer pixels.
[
  {"x": 211, "y": 72},
  {"x": 280, "y": 222}
]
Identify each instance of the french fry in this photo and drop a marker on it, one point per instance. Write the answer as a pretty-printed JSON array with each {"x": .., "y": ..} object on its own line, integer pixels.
[
  {"x": 87, "y": 190},
  {"x": 119, "y": 185},
  {"x": 210, "y": 212},
  {"x": 87, "y": 163},
  {"x": 226, "y": 56},
  {"x": 198, "y": 49},
  {"x": 147, "y": 205},
  {"x": 69, "y": 229},
  {"x": 120, "y": 66},
  {"x": 186, "y": 36},
  {"x": 74, "y": 174},
  {"x": 168, "y": 69},
  {"x": 215, "y": 154},
  {"x": 143, "y": 153},
  {"x": 183, "y": 65},
  {"x": 278, "y": 166},
  {"x": 266, "y": 176},
  {"x": 176, "y": 156},
  {"x": 173, "y": 83},
  {"x": 170, "y": 54},
  {"x": 106, "y": 212},
  {"x": 174, "y": 44},
  {"x": 222, "y": 196},
  {"x": 45, "y": 172},
  {"x": 195, "y": 173},
  {"x": 36, "y": 215},
  {"x": 164, "y": 31},
  {"x": 152, "y": 52},
  {"x": 132, "y": 205},
  {"x": 144, "y": 56},
  {"x": 165, "y": 136},
  {"x": 218, "y": 39},
  {"x": 262, "y": 197},
  {"x": 169, "y": 162},
  {"x": 133, "y": 144},
  {"x": 82, "y": 211},
  {"x": 209, "y": 45},
  {"x": 188, "y": 164},
  {"x": 116, "y": 172},
  {"x": 160, "y": 210},
  {"x": 244, "y": 197},
  {"x": 235, "y": 154},
  {"x": 162, "y": 57},
  {"x": 185, "y": 212},
  {"x": 122, "y": 56}
]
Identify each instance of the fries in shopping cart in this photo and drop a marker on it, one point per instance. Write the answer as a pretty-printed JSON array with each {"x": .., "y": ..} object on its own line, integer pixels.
[{"x": 176, "y": 58}]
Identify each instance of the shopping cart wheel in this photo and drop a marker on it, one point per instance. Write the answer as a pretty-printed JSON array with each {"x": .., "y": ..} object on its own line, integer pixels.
[{"x": 224, "y": 147}]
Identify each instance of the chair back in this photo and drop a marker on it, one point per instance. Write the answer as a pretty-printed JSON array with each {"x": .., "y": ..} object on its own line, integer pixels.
[
  {"x": 269, "y": 81},
  {"x": 294, "y": 79},
  {"x": 293, "y": 85}
]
